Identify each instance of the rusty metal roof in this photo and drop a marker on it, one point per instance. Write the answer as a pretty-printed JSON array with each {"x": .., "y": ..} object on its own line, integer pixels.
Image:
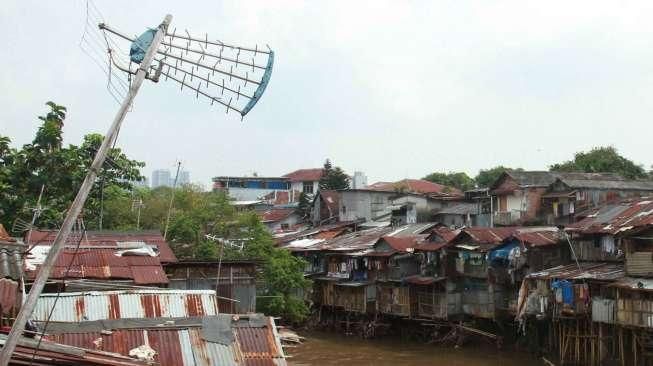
[
  {"x": 98, "y": 263},
  {"x": 185, "y": 344},
  {"x": 539, "y": 237},
  {"x": 51, "y": 353},
  {"x": 110, "y": 239},
  {"x": 98, "y": 305},
  {"x": 598, "y": 271},
  {"x": 621, "y": 217}
]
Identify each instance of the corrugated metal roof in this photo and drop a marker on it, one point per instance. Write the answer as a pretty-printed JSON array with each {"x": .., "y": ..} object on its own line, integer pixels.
[
  {"x": 98, "y": 263},
  {"x": 187, "y": 346},
  {"x": 11, "y": 260},
  {"x": 98, "y": 305},
  {"x": 276, "y": 214},
  {"x": 600, "y": 271},
  {"x": 110, "y": 239},
  {"x": 51, "y": 353},
  {"x": 616, "y": 218},
  {"x": 9, "y": 295}
]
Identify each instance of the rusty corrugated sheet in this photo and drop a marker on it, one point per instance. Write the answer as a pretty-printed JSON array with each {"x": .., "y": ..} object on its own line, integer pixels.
[
  {"x": 616, "y": 218},
  {"x": 111, "y": 239},
  {"x": 8, "y": 295},
  {"x": 99, "y": 305},
  {"x": 102, "y": 264},
  {"x": 174, "y": 347},
  {"x": 599, "y": 271}
]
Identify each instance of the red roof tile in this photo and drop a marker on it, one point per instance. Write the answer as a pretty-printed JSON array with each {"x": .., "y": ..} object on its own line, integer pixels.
[{"x": 304, "y": 175}]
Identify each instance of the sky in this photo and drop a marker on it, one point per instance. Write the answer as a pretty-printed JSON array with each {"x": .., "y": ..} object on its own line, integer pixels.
[{"x": 396, "y": 89}]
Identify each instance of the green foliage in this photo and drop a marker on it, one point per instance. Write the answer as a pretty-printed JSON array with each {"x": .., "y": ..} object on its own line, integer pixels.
[
  {"x": 601, "y": 160},
  {"x": 61, "y": 170},
  {"x": 458, "y": 180},
  {"x": 333, "y": 178},
  {"x": 486, "y": 177},
  {"x": 197, "y": 213}
]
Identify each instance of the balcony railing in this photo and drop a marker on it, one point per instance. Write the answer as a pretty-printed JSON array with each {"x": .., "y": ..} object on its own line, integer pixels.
[{"x": 507, "y": 217}]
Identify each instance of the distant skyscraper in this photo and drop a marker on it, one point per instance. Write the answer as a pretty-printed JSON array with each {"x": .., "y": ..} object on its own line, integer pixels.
[
  {"x": 359, "y": 181},
  {"x": 161, "y": 178},
  {"x": 184, "y": 178}
]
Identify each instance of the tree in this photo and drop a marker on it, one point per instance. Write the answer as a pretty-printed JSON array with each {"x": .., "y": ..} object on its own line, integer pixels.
[
  {"x": 458, "y": 180},
  {"x": 605, "y": 159},
  {"x": 60, "y": 170},
  {"x": 486, "y": 177},
  {"x": 333, "y": 178}
]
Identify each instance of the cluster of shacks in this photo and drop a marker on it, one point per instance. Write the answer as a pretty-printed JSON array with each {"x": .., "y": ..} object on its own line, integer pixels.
[
  {"x": 582, "y": 292},
  {"x": 124, "y": 299}
]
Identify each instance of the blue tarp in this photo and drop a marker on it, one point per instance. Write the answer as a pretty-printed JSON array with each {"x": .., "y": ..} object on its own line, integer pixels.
[
  {"x": 140, "y": 46},
  {"x": 501, "y": 253},
  {"x": 567, "y": 290}
]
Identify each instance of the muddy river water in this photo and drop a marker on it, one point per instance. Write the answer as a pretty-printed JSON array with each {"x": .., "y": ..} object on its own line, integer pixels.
[{"x": 335, "y": 349}]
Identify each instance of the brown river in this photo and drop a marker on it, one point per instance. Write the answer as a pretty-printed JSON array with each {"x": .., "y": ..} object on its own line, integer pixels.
[{"x": 335, "y": 349}]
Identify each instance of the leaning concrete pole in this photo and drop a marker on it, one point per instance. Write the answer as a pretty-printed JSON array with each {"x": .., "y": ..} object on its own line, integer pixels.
[{"x": 77, "y": 205}]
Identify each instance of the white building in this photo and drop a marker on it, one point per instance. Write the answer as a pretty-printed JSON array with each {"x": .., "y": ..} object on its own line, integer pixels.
[
  {"x": 161, "y": 178},
  {"x": 359, "y": 180}
]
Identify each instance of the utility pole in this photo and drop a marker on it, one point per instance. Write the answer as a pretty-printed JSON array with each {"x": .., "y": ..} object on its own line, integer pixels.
[
  {"x": 172, "y": 198},
  {"x": 77, "y": 205}
]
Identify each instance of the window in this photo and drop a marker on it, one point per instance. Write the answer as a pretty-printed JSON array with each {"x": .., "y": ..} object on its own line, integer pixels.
[
  {"x": 284, "y": 227},
  {"x": 307, "y": 187}
]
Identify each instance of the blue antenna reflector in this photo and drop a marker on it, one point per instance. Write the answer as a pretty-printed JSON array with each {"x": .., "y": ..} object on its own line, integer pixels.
[
  {"x": 140, "y": 46},
  {"x": 261, "y": 88}
]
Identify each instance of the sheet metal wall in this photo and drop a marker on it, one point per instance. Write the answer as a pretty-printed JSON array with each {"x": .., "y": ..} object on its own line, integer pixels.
[{"x": 94, "y": 305}]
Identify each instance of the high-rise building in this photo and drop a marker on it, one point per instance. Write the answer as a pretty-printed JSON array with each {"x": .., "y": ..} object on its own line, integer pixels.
[
  {"x": 359, "y": 181},
  {"x": 161, "y": 178},
  {"x": 184, "y": 178}
]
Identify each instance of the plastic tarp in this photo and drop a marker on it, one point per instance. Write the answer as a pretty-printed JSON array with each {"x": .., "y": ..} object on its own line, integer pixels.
[
  {"x": 501, "y": 253},
  {"x": 140, "y": 46},
  {"x": 566, "y": 289}
]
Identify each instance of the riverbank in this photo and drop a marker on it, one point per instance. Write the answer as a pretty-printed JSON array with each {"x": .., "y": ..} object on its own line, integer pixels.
[{"x": 322, "y": 348}]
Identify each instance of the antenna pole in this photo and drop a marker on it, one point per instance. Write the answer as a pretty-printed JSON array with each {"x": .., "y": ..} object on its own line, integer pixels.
[
  {"x": 172, "y": 198},
  {"x": 77, "y": 205}
]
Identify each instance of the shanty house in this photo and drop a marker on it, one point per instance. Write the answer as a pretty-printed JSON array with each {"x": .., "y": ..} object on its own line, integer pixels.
[
  {"x": 519, "y": 195},
  {"x": 572, "y": 193},
  {"x": 103, "y": 259},
  {"x": 434, "y": 293},
  {"x": 179, "y": 327},
  {"x": 467, "y": 265},
  {"x": 236, "y": 284},
  {"x": 279, "y": 219},
  {"x": 326, "y": 207},
  {"x": 526, "y": 250},
  {"x": 396, "y": 262}
]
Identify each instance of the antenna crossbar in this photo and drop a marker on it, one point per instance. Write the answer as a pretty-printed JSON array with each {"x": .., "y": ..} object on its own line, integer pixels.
[{"x": 218, "y": 43}]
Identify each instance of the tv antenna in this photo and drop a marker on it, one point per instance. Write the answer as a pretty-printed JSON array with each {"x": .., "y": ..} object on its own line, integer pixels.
[{"x": 225, "y": 74}]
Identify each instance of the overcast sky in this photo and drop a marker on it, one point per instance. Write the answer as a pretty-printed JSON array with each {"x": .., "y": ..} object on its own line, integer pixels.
[{"x": 396, "y": 89}]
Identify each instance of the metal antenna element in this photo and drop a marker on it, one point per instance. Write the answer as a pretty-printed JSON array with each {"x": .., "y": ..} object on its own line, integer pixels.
[{"x": 232, "y": 76}]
